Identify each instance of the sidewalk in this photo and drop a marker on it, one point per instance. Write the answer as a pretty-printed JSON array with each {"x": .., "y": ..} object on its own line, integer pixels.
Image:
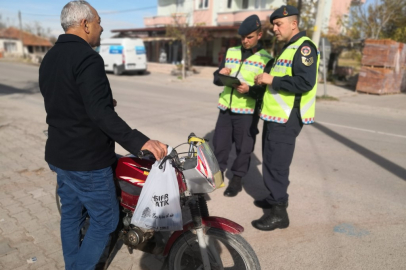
[
  {"x": 394, "y": 103},
  {"x": 29, "y": 221}
]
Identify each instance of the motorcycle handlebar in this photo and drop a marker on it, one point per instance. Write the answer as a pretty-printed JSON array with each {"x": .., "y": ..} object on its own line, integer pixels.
[{"x": 145, "y": 153}]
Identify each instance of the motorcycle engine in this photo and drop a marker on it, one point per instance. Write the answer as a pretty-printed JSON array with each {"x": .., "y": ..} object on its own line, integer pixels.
[
  {"x": 135, "y": 236},
  {"x": 138, "y": 238}
]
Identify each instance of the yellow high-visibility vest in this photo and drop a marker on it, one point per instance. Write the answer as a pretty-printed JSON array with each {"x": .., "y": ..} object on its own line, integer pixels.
[
  {"x": 245, "y": 72},
  {"x": 277, "y": 105}
]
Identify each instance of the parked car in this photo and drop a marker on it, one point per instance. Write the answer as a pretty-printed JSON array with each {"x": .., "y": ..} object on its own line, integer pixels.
[{"x": 123, "y": 54}]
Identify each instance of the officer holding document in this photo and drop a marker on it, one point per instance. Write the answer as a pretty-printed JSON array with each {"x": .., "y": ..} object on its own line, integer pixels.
[
  {"x": 288, "y": 104},
  {"x": 238, "y": 117}
]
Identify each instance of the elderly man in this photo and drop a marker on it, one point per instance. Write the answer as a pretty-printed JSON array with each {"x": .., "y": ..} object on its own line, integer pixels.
[
  {"x": 238, "y": 118},
  {"x": 82, "y": 129},
  {"x": 289, "y": 102}
]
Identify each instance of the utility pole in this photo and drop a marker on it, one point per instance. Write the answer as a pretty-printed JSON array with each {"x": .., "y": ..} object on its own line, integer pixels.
[
  {"x": 21, "y": 32},
  {"x": 299, "y": 7},
  {"x": 319, "y": 22}
]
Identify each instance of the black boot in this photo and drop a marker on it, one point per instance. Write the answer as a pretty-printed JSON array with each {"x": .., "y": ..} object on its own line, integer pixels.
[
  {"x": 234, "y": 187},
  {"x": 276, "y": 219},
  {"x": 264, "y": 204}
]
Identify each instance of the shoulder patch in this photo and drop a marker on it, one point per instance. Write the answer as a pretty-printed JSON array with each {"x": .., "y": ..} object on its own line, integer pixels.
[
  {"x": 307, "y": 61},
  {"x": 306, "y": 50}
]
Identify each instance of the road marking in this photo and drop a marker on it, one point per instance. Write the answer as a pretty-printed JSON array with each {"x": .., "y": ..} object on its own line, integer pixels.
[{"x": 362, "y": 129}]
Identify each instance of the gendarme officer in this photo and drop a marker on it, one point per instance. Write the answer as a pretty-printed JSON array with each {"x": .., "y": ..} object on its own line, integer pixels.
[
  {"x": 238, "y": 118},
  {"x": 289, "y": 102}
]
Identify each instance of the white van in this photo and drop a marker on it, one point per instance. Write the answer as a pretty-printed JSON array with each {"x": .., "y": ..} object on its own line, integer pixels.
[{"x": 123, "y": 54}]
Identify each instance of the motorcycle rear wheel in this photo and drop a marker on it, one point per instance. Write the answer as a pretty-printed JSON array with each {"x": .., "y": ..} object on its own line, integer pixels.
[{"x": 226, "y": 252}]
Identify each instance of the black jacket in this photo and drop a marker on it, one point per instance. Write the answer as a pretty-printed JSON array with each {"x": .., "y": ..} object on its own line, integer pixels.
[{"x": 82, "y": 123}]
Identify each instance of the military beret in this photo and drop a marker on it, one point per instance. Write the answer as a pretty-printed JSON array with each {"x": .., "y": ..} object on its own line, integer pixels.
[
  {"x": 249, "y": 25},
  {"x": 284, "y": 11}
]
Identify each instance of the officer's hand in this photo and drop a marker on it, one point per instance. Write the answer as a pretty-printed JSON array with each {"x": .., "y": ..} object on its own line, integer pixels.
[
  {"x": 225, "y": 71},
  {"x": 242, "y": 88},
  {"x": 263, "y": 78},
  {"x": 114, "y": 102},
  {"x": 158, "y": 149}
]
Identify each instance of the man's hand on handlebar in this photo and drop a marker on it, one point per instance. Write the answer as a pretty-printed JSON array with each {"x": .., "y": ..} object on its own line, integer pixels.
[{"x": 158, "y": 149}]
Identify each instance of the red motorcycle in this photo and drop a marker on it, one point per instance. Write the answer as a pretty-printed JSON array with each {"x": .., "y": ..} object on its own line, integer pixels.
[{"x": 206, "y": 242}]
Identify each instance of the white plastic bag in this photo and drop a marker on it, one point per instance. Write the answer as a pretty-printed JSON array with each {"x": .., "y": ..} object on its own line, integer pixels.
[{"x": 158, "y": 207}]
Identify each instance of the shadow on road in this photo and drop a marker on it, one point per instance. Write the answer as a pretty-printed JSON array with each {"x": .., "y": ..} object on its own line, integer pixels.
[
  {"x": 31, "y": 88},
  {"x": 253, "y": 183},
  {"x": 132, "y": 73},
  {"x": 379, "y": 160}
]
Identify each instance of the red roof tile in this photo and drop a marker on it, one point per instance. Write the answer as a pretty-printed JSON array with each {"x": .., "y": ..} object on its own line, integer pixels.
[{"x": 28, "y": 39}]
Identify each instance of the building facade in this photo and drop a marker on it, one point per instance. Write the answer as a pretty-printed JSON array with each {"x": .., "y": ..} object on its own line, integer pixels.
[
  {"x": 210, "y": 12},
  {"x": 336, "y": 11},
  {"x": 14, "y": 42},
  {"x": 222, "y": 18}
]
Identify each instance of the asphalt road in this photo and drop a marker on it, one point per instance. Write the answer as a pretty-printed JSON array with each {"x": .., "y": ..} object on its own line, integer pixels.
[{"x": 348, "y": 178}]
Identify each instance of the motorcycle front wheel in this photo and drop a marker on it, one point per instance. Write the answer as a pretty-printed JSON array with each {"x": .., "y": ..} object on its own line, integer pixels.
[{"x": 226, "y": 252}]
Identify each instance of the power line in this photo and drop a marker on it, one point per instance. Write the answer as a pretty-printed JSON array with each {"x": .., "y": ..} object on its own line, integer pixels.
[
  {"x": 44, "y": 15},
  {"x": 101, "y": 13}
]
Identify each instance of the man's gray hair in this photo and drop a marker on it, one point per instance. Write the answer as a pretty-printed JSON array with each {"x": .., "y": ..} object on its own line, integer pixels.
[{"x": 75, "y": 11}]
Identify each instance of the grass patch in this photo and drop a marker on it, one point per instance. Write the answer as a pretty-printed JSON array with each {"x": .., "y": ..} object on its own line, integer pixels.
[
  {"x": 345, "y": 62},
  {"x": 326, "y": 98}
]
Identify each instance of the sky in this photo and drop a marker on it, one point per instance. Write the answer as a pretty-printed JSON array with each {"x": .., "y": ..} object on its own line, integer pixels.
[{"x": 47, "y": 13}]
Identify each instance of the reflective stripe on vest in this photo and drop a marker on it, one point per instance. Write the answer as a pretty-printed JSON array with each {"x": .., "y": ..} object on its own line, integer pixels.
[
  {"x": 278, "y": 105},
  {"x": 252, "y": 66}
]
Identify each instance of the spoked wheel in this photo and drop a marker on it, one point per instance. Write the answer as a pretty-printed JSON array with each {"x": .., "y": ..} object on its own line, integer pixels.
[{"x": 226, "y": 252}]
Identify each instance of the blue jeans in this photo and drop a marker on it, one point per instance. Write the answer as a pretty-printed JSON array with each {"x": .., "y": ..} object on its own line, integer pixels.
[{"x": 95, "y": 192}]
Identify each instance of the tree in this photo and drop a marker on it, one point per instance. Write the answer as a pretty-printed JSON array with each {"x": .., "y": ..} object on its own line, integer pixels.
[
  {"x": 190, "y": 36},
  {"x": 396, "y": 27},
  {"x": 380, "y": 19},
  {"x": 2, "y": 24},
  {"x": 307, "y": 10},
  {"x": 37, "y": 29}
]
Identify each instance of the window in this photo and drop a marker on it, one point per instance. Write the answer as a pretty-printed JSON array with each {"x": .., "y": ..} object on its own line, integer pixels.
[
  {"x": 10, "y": 46},
  {"x": 260, "y": 4},
  {"x": 245, "y": 4},
  {"x": 202, "y": 4},
  {"x": 179, "y": 3},
  {"x": 229, "y": 3}
]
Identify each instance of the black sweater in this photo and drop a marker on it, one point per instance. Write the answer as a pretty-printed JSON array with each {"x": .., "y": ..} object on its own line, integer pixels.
[{"x": 82, "y": 123}]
